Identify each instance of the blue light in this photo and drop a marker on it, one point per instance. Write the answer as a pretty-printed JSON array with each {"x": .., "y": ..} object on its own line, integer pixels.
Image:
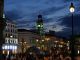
[{"x": 11, "y": 47}]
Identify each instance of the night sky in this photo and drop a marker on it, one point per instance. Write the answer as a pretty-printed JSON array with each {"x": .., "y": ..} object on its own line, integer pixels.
[{"x": 55, "y": 14}]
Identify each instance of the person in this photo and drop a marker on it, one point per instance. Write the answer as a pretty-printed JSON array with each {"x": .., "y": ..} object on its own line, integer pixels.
[
  {"x": 61, "y": 57},
  {"x": 30, "y": 57}
]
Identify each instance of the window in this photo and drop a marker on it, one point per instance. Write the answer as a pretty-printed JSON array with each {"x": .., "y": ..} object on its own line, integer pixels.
[
  {"x": 11, "y": 40},
  {"x": 11, "y": 30},
  {"x": 6, "y": 35},
  {"x": 6, "y": 41}
]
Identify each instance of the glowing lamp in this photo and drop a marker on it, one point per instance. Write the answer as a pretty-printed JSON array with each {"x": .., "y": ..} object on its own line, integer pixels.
[{"x": 72, "y": 8}]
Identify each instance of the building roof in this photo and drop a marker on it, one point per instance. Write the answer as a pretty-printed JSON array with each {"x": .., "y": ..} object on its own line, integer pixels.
[{"x": 23, "y": 30}]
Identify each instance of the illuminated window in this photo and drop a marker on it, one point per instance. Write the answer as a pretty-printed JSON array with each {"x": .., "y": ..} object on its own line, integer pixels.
[
  {"x": 11, "y": 41},
  {"x": 3, "y": 47},
  {"x": 6, "y": 47},
  {"x": 7, "y": 40},
  {"x": 11, "y": 47},
  {"x": 15, "y": 41}
]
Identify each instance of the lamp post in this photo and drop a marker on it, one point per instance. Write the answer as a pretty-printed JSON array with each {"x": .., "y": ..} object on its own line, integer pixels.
[{"x": 72, "y": 9}]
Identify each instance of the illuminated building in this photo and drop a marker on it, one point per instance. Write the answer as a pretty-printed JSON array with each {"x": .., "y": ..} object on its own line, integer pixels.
[
  {"x": 28, "y": 37},
  {"x": 11, "y": 37}
]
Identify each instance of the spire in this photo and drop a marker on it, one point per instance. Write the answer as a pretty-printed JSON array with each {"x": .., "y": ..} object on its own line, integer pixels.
[{"x": 40, "y": 20}]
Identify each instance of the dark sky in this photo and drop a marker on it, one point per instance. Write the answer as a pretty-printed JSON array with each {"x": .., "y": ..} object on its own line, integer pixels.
[{"x": 55, "y": 13}]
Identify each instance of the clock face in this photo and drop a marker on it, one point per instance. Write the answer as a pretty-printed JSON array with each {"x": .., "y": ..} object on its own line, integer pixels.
[{"x": 39, "y": 25}]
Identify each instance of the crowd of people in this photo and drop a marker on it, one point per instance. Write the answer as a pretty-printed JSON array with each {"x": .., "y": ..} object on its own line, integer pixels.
[{"x": 50, "y": 54}]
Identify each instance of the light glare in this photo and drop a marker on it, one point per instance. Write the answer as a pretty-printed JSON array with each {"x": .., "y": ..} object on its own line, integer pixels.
[
  {"x": 72, "y": 9},
  {"x": 78, "y": 52}
]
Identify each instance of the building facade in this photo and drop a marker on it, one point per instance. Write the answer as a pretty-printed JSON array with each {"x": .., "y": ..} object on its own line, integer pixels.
[
  {"x": 26, "y": 38},
  {"x": 11, "y": 38},
  {"x": 38, "y": 37}
]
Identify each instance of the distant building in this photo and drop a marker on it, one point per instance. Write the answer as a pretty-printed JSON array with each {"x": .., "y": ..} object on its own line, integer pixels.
[
  {"x": 27, "y": 38},
  {"x": 77, "y": 44},
  {"x": 10, "y": 30},
  {"x": 37, "y": 37},
  {"x": 11, "y": 38}
]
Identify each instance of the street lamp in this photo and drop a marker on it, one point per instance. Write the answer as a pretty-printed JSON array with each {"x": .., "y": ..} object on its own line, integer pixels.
[{"x": 72, "y": 9}]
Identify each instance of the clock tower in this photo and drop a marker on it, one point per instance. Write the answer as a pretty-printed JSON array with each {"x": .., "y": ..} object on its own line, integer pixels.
[{"x": 40, "y": 25}]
